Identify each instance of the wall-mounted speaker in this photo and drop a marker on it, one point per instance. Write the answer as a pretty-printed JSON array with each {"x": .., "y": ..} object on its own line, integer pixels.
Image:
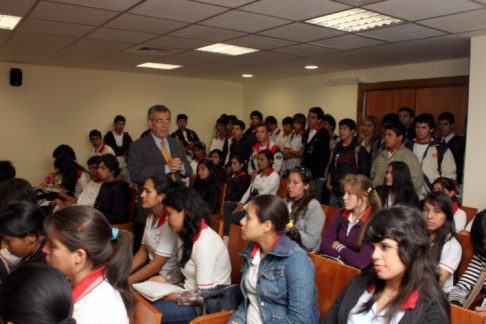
[{"x": 15, "y": 77}]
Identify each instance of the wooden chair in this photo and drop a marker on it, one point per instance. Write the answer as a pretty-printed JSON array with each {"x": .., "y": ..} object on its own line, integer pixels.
[
  {"x": 222, "y": 195},
  {"x": 471, "y": 212},
  {"x": 216, "y": 318},
  {"x": 461, "y": 315},
  {"x": 132, "y": 204},
  {"x": 235, "y": 245},
  {"x": 467, "y": 254},
  {"x": 218, "y": 226},
  {"x": 331, "y": 278},
  {"x": 145, "y": 313},
  {"x": 124, "y": 226},
  {"x": 283, "y": 188},
  {"x": 329, "y": 211}
]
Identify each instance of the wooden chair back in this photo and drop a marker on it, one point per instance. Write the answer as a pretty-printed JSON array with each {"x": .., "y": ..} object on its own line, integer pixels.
[
  {"x": 222, "y": 196},
  {"x": 236, "y": 244},
  {"x": 124, "y": 226},
  {"x": 218, "y": 226},
  {"x": 131, "y": 204},
  {"x": 216, "y": 318},
  {"x": 329, "y": 211},
  {"x": 471, "y": 212},
  {"x": 283, "y": 188},
  {"x": 461, "y": 315},
  {"x": 467, "y": 254},
  {"x": 145, "y": 313},
  {"x": 192, "y": 180},
  {"x": 331, "y": 278}
]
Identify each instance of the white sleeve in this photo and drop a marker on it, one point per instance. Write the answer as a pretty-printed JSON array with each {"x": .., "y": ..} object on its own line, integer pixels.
[
  {"x": 205, "y": 261},
  {"x": 469, "y": 226},
  {"x": 271, "y": 187},
  {"x": 460, "y": 220},
  {"x": 450, "y": 256},
  {"x": 109, "y": 150},
  {"x": 167, "y": 243},
  {"x": 148, "y": 223}
]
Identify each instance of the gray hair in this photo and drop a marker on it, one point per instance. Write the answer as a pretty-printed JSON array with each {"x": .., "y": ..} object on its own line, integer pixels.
[{"x": 157, "y": 108}]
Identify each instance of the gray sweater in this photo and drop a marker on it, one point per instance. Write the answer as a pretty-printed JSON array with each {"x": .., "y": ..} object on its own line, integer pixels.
[{"x": 310, "y": 225}]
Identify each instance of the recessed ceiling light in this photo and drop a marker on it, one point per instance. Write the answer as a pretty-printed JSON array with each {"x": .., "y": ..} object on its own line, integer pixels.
[
  {"x": 247, "y": 75},
  {"x": 354, "y": 20},
  {"x": 9, "y": 22},
  {"x": 311, "y": 67},
  {"x": 159, "y": 66},
  {"x": 227, "y": 49}
]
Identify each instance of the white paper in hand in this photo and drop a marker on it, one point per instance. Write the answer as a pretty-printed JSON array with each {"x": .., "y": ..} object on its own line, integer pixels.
[{"x": 153, "y": 291}]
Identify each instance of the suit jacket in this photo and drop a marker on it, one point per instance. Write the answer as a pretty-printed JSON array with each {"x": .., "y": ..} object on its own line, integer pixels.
[
  {"x": 457, "y": 146},
  {"x": 191, "y": 136},
  {"x": 316, "y": 152},
  {"x": 109, "y": 140},
  {"x": 146, "y": 160}
]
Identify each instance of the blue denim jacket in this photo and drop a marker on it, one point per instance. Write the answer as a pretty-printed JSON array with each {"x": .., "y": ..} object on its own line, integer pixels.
[{"x": 286, "y": 288}]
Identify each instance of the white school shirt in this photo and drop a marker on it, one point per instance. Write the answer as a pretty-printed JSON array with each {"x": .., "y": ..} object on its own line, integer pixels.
[
  {"x": 460, "y": 219},
  {"x": 97, "y": 302},
  {"x": 266, "y": 184},
  {"x": 81, "y": 183},
  {"x": 253, "y": 315},
  {"x": 294, "y": 143},
  {"x": 209, "y": 264},
  {"x": 371, "y": 317},
  {"x": 89, "y": 194},
  {"x": 274, "y": 135},
  {"x": 217, "y": 143},
  {"x": 449, "y": 261},
  {"x": 160, "y": 240},
  {"x": 104, "y": 149}
]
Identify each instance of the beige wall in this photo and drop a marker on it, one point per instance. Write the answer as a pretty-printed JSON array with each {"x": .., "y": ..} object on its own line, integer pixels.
[
  {"x": 285, "y": 97},
  {"x": 474, "y": 175},
  {"x": 61, "y": 105}
]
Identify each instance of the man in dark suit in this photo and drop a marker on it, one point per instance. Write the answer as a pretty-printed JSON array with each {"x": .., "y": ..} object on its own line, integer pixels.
[
  {"x": 146, "y": 158},
  {"x": 456, "y": 143}
]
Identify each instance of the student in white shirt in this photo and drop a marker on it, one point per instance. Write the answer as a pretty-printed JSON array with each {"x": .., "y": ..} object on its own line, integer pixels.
[
  {"x": 202, "y": 255},
  {"x": 36, "y": 293},
  {"x": 448, "y": 186},
  {"x": 159, "y": 243},
  {"x": 96, "y": 259},
  {"x": 99, "y": 147},
  {"x": 72, "y": 178},
  {"x": 445, "y": 248},
  {"x": 293, "y": 149}
]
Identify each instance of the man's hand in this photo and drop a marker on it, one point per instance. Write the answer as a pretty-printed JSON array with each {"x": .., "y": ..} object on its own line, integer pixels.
[{"x": 175, "y": 165}]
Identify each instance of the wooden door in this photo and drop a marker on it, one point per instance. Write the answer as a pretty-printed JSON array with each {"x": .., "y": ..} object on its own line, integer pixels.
[{"x": 382, "y": 102}]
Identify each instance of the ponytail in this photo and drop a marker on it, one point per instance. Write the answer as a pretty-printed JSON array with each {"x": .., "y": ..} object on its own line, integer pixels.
[{"x": 294, "y": 234}]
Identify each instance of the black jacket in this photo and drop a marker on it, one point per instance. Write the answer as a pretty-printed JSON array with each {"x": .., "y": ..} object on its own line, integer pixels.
[
  {"x": 457, "y": 145},
  {"x": 316, "y": 152},
  {"x": 241, "y": 148},
  {"x": 109, "y": 140},
  {"x": 113, "y": 200},
  {"x": 209, "y": 193},
  {"x": 191, "y": 136},
  {"x": 338, "y": 314},
  {"x": 343, "y": 162}
]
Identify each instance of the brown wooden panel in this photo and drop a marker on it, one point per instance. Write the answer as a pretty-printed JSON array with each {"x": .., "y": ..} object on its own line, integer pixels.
[
  {"x": 464, "y": 316},
  {"x": 382, "y": 102},
  {"x": 440, "y": 99}
]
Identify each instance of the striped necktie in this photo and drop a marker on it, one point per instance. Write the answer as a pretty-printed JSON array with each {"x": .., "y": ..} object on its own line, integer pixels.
[{"x": 166, "y": 154}]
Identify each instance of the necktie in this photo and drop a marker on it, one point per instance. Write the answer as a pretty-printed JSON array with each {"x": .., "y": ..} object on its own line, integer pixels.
[
  {"x": 443, "y": 140},
  {"x": 166, "y": 155}
]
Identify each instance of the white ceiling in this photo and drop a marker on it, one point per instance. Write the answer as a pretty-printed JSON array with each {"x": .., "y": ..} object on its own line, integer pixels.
[{"x": 106, "y": 34}]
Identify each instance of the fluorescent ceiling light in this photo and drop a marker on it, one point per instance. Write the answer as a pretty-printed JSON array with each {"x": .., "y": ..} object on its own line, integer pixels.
[
  {"x": 227, "y": 49},
  {"x": 354, "y": 20},
  {"x": 311, "y": 67},
  {"x": 159, "y": 66},
  {"x": 9, "y": 22},
  {"x": 344, "y": 81},
  {"x": 247, "y": 75}
]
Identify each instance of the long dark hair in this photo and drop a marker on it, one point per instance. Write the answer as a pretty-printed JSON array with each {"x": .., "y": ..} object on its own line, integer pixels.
[
  {"x": 272, "y": 208},
  {"x": 402, "y": 189},
  {"x": 406, "y": 226},
  {"x": 15, "y": 190},
  {"x": 40, "y": 285},
  {"x": 163, "y": 184},
  {"x": 84, "y": 227},
  {"x": 21, "y": 219},
  {"x": 195, "y": 210},
  {"x": 212, "y": 179},
  {"x": 478, "y": 233},
  {"x": 300, "y": 206},
  {"x": 447, "y": 231},
  {"x": 269, "y": 156},
  {"x": 448, "y": 184},
  {"x": 67, "y": 167}
]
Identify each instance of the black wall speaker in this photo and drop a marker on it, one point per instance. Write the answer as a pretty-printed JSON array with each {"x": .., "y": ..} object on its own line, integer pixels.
[{"x": 16, "y": 77}]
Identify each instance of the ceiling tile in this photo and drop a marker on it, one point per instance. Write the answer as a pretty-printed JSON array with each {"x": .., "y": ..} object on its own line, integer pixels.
[
  {"x": 32, "y": 49},
  {"x": 403, "y": 32},
  {"x": 181, "y": 10},
  {"x": 305, "y": 50},
  {"x": 467, "y": 21},
  {"x": 207, "y": 33},
  {"x": 413, "y": 10},
  {"x": 227, "y": 3},
  {"x": 41, "y": 39},
  {"x": 241, "y": 61},
  {"x": 101, "y": 45},
  {"x": 259, "y": 42},
  {"x": 16, "y": 7},
  {"x": 123, "y": 36},
  {"x": 144, "y": 24},
  {"x": 220, "y": 66},
  {"x": 301, "y": 32},
  {"x": 116, "y": 5},
  {"x": 200, "y": 56},
  {"x": 244, "y": 21},
  {"x": 358, "y": 3},
  {"x": 348, "y": 42},
  {"x": 176, "y": 61},
  {"x": 126, "y": 59},
  {"x": 55, "y": 28},
  {"x": 177, "y": 42},
  {"x": 270, "y": 56},
  {"x": 58, "y": 58},
  {"x": 73, "y": 14},
  {"x": 84, "y": 52},
  {"x": 4, "y": 34},
  {"x": 295, "y": 10}
]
